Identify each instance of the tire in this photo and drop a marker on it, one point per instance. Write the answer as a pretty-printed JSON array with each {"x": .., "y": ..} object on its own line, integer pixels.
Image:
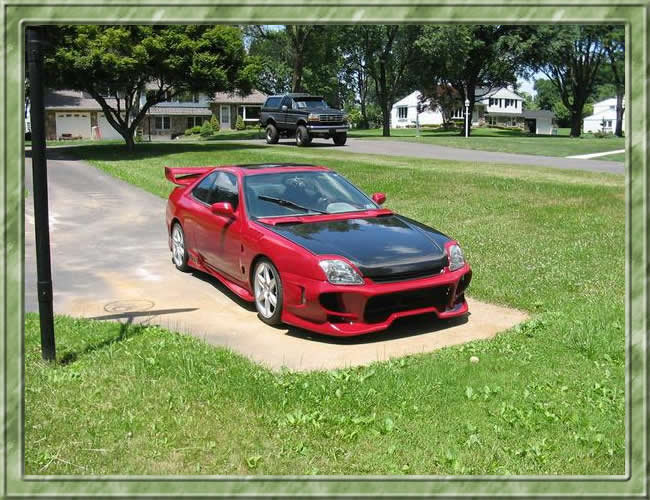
[
  {"x": 339, "y": 139},
  {"x": 180, "y": 256},
  {"x": 272, "y": 135},
  {"x": 264, "y": 295},
  {"x": 303, "y": 137}
]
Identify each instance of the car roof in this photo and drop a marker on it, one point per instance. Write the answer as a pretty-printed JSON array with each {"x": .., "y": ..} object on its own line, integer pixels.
[
  {"x": 298, "y": 95},
  {"x": 258, "y": 168}
]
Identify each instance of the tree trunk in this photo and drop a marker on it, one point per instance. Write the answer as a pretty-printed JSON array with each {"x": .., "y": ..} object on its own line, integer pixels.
[
  {"x": 130, "y": 142},
  {"x": 619, "y": 114},
  {"x": 576, "y": 122},
  {"x": 383, "y": 99},
  {"x": 296, "y": 81}
]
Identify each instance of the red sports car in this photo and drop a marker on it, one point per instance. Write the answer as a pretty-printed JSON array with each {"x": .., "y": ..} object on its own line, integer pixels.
[{"x": 310, "y": 249}]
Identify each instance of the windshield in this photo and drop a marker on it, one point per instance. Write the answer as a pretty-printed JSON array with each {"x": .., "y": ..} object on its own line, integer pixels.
[
  {"x": 302, "y": 193},
  {"x": 310, "y": 104}
]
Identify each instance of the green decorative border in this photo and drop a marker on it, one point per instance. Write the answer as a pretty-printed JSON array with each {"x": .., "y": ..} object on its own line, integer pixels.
[{"x": 16, "y": 14}]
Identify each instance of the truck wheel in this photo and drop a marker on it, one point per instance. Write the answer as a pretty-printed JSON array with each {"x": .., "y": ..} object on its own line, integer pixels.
[
  {"x": 303, "y": 138},
  {"x": 272, "y": 134},
  {"x": 339, "y": 139}
]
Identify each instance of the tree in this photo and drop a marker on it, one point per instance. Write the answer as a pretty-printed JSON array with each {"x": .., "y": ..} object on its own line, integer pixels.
[
  {"x": 390, "y": 52},
  {"x": 115, "y": 64},
  {"x": 468, "y": 57},
  {"x": 570, "y": 57},
  {"x": 615, "y": 57}
]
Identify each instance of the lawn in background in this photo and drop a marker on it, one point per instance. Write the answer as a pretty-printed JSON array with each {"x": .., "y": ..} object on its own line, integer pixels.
[
  {"x": 502, "y": 140},
  {"x": 547, "y": 397}
]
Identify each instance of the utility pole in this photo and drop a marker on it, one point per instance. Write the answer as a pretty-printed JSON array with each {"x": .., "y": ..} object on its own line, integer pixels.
[{"x": 35, "y": 41}]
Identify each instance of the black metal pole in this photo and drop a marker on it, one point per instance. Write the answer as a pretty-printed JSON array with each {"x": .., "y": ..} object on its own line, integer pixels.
[{"x": 39, "y": 173}]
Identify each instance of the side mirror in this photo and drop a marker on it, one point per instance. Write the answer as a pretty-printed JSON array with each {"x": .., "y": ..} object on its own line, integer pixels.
[
  {"x": 284, "y": 107},
  {"x": 222, "y": 208},
  {"x": 379, "y": 198}
]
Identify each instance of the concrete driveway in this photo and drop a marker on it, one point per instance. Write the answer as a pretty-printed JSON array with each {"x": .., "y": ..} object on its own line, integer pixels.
[
  {"x": 110, "y": 261},
  {"x": 419, "y": 150}
]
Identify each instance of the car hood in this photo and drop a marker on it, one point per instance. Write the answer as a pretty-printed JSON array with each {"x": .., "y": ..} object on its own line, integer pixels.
[{"x": 383, "y": 248}]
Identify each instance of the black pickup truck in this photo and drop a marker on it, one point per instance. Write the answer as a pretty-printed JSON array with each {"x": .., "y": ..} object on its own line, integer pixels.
[{"x": 304, "y": 117}]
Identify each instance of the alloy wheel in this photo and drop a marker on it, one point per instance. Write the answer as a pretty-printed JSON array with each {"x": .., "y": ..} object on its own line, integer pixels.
[{"x": 266, "y": 290}]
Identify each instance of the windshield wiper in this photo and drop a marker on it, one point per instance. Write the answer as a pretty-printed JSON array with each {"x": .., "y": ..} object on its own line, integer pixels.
[{"x": 287, "y": 203}]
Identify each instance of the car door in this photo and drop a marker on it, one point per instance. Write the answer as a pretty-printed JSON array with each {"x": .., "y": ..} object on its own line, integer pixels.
[
  {"x": 286, "y": 116},
  {"x": 219, "y": 236}
]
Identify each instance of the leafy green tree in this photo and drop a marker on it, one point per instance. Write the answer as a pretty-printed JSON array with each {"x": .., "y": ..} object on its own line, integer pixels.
[
  {"x": 206, "y": 129},
  {"x": 240, "y": 124},
  {"x": 214, "y": 123},
  {"x": 467, "y": 58},
  {"x": 389, "y": 55},
  {"x": 115, "y": 64},
  {"x": 615, "y": 57},
  {"x": 571, "y": 58}
]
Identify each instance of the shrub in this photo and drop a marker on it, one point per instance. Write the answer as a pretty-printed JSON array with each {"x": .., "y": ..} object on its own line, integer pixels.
[
  {"x": 214, "y": 123},
  {"x": 196, "y": 129},
  {"x": 240, "y": 124},
  {"x": 188, "y": 131},
  {"x": 206, "y": 129},
  {"x": 602, "y": 134}
]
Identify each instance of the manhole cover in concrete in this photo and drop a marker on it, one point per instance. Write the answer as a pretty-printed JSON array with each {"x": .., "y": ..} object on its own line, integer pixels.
[{"x": 122, "y": 306}]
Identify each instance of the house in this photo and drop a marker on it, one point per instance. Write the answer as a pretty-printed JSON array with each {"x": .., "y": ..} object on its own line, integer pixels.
[
  {"x": 498, "y": 107},
  {"x": 603, "y": 118},
  {"x": 72, "y": 113},
  {"x": 172, "y": 117}
]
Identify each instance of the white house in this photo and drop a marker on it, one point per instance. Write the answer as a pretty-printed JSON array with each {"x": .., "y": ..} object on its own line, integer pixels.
[
  {"x": 604, "y": 117},
  {"x": 499, "y": 107}
]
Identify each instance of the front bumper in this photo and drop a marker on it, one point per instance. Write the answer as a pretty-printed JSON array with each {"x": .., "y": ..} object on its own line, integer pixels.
[
  {"x": 344, "y": 311},
  {"x": 328, "y": 128}
]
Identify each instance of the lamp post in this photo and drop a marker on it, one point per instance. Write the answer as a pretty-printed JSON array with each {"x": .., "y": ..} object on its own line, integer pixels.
[
  {"x": 466, "y": 117},
  {"x": 35, "y": 42}
]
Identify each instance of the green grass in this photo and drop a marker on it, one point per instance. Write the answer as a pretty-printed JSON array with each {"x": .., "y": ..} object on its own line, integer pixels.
[
  {"x": 546, "y": 397},
  {"x": 78, "y": 142},
  {"x": 501, "y": 140}
]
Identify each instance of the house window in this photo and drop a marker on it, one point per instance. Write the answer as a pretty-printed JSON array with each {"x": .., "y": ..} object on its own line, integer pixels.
[
  {"x": 196, "y": 121},
  {"x": 187, "y": 97},
  {"x": 609, "y": 123},
  {"x": 162, "y": 122},
  {"x": 402, "y": 112},
  {"x": 249, "y": 113}
]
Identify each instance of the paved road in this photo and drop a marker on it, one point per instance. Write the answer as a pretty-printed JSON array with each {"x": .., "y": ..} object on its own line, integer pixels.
[
  {"x": 111, "y": 261},
  {"x": 419, "y": 150}
]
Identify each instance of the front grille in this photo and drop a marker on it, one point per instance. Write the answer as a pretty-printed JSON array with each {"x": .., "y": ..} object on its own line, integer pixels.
[
  {"x": 410, "y": 275},
  {"x": 379, "y": 308},
  {"x": 330, "y": 118}
]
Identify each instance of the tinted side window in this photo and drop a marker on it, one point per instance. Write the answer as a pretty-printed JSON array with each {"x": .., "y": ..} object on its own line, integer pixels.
[
  {"x": 204, "y": 189},
  {"x": 273, "y": 102},
  {"x": 226, "y": 189},
  {"x": 287, "y": 102}
]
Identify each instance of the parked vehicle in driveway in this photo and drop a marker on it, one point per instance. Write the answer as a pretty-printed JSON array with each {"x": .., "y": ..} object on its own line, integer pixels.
[
  {"x": 310, "y": 249},
  {"x": 304, "y": 117}
]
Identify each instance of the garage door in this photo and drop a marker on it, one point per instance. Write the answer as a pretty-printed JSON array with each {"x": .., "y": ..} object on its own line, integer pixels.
[
  {"x": 106, "y": 129},
  {"x": 75, "y": 124}
]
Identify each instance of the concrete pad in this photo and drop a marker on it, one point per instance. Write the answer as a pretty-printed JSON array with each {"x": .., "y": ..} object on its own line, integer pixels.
[{"x": 111, "y": 262}]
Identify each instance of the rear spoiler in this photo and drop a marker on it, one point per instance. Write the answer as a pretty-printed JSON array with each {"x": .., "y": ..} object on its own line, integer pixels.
[{"x": 182, "y": 176}]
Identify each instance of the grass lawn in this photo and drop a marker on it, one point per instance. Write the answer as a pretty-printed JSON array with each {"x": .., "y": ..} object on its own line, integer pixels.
[
  {"x": 227, "y": 134},
  {"x": 546, "y": 397},
  {"x": 505, "y": 141},
  {"x": 78, "y": 142}
]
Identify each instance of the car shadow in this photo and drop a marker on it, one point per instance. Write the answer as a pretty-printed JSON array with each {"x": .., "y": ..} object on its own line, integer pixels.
[
  {"x": 401, "y": 328},
  {"x": 292, "y": 142},
  {"x": 249, "y": 306}
]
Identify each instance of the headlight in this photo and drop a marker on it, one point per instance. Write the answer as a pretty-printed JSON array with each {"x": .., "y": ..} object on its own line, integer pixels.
[
  {"x": 313, "y": 117},
  {"x": 456, "y": 259},
  {"x": 339, "y": 272}
]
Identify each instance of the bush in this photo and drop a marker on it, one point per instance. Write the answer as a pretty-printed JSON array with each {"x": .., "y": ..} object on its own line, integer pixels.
[
  {"x": 240, "y": 124},
  {"x": 196, "y": 129},
  {"x": 214, "y": 123},
  {"x": 188, "y": 131},
  {"x": 602, "y": 134},
  {"x": 206, "y": 129}
]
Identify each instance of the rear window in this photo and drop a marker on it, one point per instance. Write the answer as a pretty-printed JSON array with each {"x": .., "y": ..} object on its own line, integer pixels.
[{"x": 273, "y": 102}]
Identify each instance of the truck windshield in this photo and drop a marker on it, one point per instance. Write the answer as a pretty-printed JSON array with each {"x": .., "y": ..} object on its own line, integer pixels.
[
  {"x": 302, "y": 193},
  {"x": 310, "y": 103}
]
